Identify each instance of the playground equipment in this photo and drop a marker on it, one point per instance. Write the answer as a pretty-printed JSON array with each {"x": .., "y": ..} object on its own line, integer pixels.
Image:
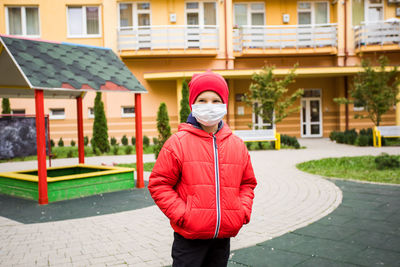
[{"x": 39, "y": 69}]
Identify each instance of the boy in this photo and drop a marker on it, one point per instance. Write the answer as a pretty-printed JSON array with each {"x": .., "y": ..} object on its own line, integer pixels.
[{"x": 203, "y": 180}]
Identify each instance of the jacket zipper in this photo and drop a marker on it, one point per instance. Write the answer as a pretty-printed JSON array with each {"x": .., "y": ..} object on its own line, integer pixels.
[{"x": 217, "y": 186}]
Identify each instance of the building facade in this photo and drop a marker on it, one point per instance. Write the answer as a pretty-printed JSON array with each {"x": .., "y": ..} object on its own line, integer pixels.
[{"x": 164, "y": 42}]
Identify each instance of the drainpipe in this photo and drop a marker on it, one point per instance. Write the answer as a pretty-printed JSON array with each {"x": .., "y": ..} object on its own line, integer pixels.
[
  {"x": 226, "y": 49},
  {"x": 226, "y": 36},
  {"x": 346, "y": 87}
]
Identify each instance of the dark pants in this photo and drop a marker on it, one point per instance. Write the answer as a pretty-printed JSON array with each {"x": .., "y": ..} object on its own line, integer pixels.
[{"x": 199, "y": 252}]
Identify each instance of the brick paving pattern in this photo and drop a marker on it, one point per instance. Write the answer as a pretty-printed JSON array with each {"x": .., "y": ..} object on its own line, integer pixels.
[{"x": 286, "y": 199}]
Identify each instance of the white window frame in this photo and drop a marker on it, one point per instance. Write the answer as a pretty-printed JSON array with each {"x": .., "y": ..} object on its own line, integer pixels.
[
  {"x": 367, "y": 5},
  {"x": 84, "y": 18},
  {"x": 127, "y": 115},
  {"x": 249, "y": 12},
  {"x": 56, "y": 117},
  {"x": 200, "y": 11},
  {"x": 90, "y": 114},
  {"x": 260, "y": 123},
  {"x": 312, "y": 10},
  {"x": 135, "y": 13},
  {"x": 23, "y": 21}
]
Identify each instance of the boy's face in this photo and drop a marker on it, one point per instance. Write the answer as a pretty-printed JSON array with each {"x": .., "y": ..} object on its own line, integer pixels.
[{"x": 208, "y": 97}]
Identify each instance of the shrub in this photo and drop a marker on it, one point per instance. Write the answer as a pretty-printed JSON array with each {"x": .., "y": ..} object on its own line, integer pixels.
[
  {"x": 86, "y": 140},
  {"x": 350, "y": 136},
  {"x": 185, "y": 108},
  {"x": 96, "y": 151},
  {"x": 155, "y": 141},
  {"x": 60, "y": 142},
  {"x": 113, "y": 141},
  {"x": 340, "y": 138},
  {"x": 70, "y": 154},
  {"x": 52, "y": 144},
  {"x": 333, "y": 135},
  {"x": 115, "y": 150},
  {"x": 73, "y": 143},
  {"x": 133, "y": 140},
  {"x": 163, "y": 127},
  {"x": 128, "y": 150},
  {"x": 386, "y": 161},
  {"x": 290, "y": 141},
  {"x": 248, "y": 144},
  {"x": 100, "y": 129},
  {"x": 146, "y": 141},
  {"x": 362, "y": 140},
  {"x": 124, "y": 140}
]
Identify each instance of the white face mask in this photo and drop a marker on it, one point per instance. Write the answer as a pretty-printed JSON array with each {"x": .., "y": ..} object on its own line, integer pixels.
[{"x": 209, "y": 114}]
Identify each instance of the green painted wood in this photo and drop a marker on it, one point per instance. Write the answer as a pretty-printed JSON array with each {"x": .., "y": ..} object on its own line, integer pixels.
[
  {"x": 69, "y": 189},
  {"x": 76, "y": 188},
  {"x": 19, "y": 188}
]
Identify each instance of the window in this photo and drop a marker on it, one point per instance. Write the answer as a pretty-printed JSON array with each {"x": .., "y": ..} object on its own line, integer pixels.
[
  {"x": 313, "y": 13},
  {"x": 18, "y": 111},
  {"x": 201, "y": 13},
  {"x": 358, "y": 106},
  {"x": 83, "y": 21},
  {"x": 91, "y": 113},
  {"x": 127, "y": 112},
  {"x": 133, "y": 15},
  {"x": 57, "y": 113},
  {"x": 23, "y": 21},
  {"x": 259, "y": 122},
  {"x": 373, "y": 10},
  {"x": 249, "y": 14}
]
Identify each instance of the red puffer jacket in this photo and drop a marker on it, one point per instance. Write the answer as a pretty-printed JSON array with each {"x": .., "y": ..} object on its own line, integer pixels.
[{"x": 204, "y": 183}]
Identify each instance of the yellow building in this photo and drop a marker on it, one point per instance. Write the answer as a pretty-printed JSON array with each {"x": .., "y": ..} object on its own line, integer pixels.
[{"x": 164, "y": 42}]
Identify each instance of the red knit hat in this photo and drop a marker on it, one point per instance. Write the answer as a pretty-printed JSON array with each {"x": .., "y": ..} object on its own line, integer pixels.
[{"x": 208, "y": 81}]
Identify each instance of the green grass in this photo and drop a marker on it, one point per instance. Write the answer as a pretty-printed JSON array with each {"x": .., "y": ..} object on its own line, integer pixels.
[
  {"x": 357, "y": 168},
  {"x": 72, "y": 152},
  {"x": 148, "y": 166}
]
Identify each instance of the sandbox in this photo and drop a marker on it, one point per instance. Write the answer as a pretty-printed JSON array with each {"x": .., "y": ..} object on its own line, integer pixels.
[{"x": 68, "y": 182}]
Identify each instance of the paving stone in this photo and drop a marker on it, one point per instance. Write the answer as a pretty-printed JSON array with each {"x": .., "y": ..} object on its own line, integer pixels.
[{"x": 287, "y": 201}]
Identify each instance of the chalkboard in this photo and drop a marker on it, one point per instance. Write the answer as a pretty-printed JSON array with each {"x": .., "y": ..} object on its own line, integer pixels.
[{"x": 18, "y": 137}]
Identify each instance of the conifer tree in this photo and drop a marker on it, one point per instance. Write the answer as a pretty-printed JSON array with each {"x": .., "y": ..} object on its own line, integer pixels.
[
  {"x": 164, "y": 130},
  {"x": 5, "y": 104},
  {"x": 100, "y": 129},
  {"x": 271, "y": 95},
  {"x": 185, "y": 108},
  {"x": 375, "y": 90}
]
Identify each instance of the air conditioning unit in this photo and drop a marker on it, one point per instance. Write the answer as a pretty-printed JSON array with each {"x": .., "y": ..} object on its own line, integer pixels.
[{"x": 393, "y": 1}]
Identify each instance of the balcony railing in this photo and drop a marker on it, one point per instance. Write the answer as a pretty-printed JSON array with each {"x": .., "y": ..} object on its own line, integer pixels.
[
  {"x": 378, "y": 32},
  {"x": 285, "y": 36},
  {"x": 168, "y": 37}
]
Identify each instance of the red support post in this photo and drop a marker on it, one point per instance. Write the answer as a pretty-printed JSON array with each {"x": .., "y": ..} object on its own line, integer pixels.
[
  {"x": 41, "y": 147},
  {"x": 81, "y": 145},
  {"x": 139, "y": 141}
]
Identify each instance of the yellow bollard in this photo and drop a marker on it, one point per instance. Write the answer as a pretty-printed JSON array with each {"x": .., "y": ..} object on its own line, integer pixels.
[{"x": 278, "y": 141}]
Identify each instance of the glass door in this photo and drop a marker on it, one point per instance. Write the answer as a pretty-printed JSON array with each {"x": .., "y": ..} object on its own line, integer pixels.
[{"x": 311, "y": 116}]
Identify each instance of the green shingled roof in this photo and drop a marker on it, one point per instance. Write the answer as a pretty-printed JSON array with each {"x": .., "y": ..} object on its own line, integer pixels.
[{"x": 50, "y": 66}]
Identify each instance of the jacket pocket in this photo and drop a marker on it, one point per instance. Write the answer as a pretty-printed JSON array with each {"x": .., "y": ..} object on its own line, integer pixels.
[{"x": 188, "y": 210}]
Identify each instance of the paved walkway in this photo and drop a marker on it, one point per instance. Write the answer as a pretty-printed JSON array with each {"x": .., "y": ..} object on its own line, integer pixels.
[{"x": 286, "y": 200}]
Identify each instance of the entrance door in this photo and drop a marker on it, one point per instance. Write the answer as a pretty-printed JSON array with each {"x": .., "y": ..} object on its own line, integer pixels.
[{"x": 311, "y": 116}]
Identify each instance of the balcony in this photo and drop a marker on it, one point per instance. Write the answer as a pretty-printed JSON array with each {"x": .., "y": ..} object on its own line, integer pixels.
[
  {"x": 170, "y": 39},
  {"x": 379, "y": 35},
  {"x": 285, "y": 39}
]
